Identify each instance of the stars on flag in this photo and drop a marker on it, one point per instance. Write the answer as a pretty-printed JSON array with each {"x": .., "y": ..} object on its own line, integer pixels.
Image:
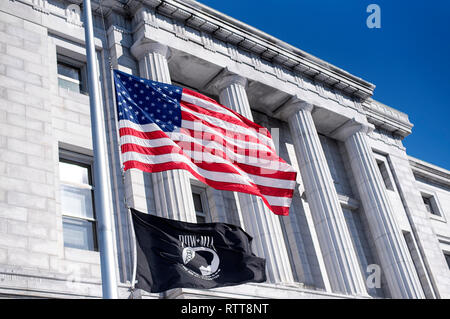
[{"x": 144, "y": 101}]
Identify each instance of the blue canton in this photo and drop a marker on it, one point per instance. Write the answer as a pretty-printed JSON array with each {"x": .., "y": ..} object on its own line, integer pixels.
[{"x": 145, "y": 101}]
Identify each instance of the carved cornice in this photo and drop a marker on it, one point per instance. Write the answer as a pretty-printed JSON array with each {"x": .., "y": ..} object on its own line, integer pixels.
[
  {"x": 429, "y": 171},
  {"x": 387, "y": 118},
  {"x": 263, "y": 45},
  {"x": 41, "y": 5},
  {"x": 260, "y": 47},
  {"x": 387, "y": 137},
  {"x": 215, "y": 25},
  {"x": 239, "y": 35}
]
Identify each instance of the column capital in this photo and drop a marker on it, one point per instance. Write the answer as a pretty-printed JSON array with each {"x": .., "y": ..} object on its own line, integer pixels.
[
  {"x": 144, "y": 46},
  {"x": 350, "y": 128},
  {"x": 224, "y": 79},
  {"x": 293, "y": 105}
]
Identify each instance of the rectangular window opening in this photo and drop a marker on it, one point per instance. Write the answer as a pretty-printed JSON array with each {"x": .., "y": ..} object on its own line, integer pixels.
[
  {"x": 385, "y": 175},
  {"x": 200, "y": 205},
  {"x": 71, "y": 74},
  {"x": 77, "y": 202},
  {"x": 430, "y": 204},
  {"x": 447, "y": 258}
]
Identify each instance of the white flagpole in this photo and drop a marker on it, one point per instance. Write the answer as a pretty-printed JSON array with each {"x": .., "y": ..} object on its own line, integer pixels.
[{"x": 102, "y": 205}]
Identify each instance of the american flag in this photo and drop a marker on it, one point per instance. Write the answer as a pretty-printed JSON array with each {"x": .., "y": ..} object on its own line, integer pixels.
[{"x": 164, "y": 127}]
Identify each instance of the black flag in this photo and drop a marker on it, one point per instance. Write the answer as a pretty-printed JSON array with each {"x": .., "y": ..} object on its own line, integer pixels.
[{"x": 174, "y": 254}]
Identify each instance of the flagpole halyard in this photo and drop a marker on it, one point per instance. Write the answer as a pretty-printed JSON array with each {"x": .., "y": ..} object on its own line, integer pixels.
[
  {"x": 130, "y": 221},
  {"x": 133, "y": 236}
]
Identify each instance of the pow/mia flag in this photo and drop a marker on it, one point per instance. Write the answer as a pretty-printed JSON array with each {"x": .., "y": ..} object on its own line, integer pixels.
[{"x": 175, "y": 254}]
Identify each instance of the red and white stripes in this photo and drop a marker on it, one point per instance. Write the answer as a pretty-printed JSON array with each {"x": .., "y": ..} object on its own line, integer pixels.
[{"x": 217, "y": 146}]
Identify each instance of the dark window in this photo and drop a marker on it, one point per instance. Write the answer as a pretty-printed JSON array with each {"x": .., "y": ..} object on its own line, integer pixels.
[
  {"x": 200, "y": 212},
  {"x": 385, "y": 175},
  {"x": 427, "y": 202},
  {"x": 77, "y": 205},
  {"x": 430, "y": 204},
  {"x": 447, "y": 258}
]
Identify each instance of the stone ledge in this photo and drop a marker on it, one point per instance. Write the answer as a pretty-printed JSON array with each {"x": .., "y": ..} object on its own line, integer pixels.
[{"x": 254, "y": 290}]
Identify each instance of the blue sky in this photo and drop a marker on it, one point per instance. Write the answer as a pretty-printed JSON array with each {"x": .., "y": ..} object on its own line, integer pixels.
[{"x": 408, "y": 58}]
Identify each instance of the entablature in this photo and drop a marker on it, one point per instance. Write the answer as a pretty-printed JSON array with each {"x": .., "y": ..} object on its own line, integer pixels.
[
  {"x": 387, "y": 118},
  {"x": 215, "y": 26},
  {"x": 285, "y": 69}
]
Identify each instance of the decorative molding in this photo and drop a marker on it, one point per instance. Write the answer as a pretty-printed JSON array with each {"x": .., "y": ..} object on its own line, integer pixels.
[
  {"x": 241, "y": 35},
  {"x": 41, "y": 5},
  {"x": 299, "y": 81},
  {"x": 320, "y": 89},
  {"x": 266, "y": 54},
  {"x": 387, "y": 137},
  {"x": 115, "y": 28},
  {"x": 339, "y": 97},
  {"x": 356, "y": 102},
  {"x": 228, "y": 30},
  {"x": 387, "y": 118},
  {"x": 208, "y": 42},
  {"x": 256, "y": 62},
  {"x": 145, "y": 16},
  {"x": 73, "y": 15},
  {"x": 233, "y": 53},
  {"x": 429, "y": 171},
  {"x": 180, "y": 30},
  {"x": 279, "y": 73}
]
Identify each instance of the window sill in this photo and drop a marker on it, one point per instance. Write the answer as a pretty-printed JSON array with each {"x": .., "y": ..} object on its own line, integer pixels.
[
  {"x": 81, "y": 255},
  {"x": 79, "y": 96},
  {"x": 437, "y": 218}
]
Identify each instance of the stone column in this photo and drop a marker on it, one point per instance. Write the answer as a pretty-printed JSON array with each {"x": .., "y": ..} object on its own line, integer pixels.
[
  {"x": 172, "y": 189},
  {"x": 334, "y": 238},
  {"x": 393, "y": 253},
  {"x": 263, "y": 225}
]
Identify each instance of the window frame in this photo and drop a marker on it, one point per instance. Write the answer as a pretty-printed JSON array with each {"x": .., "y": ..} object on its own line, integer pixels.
[
  {"x": 206, "y": 214},
  {"x": 435, "y": 205},
  {"x": 429, "y": 205},
  {"x": 72, "y": 63},
  {"x": 447, "y": 258},
  {"x": 382, "y": 163},
  {"x": 71, "y": 157}
]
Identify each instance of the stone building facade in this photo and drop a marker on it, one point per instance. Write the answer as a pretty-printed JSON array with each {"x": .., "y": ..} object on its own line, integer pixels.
[{"x": 367, "y": 220}]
